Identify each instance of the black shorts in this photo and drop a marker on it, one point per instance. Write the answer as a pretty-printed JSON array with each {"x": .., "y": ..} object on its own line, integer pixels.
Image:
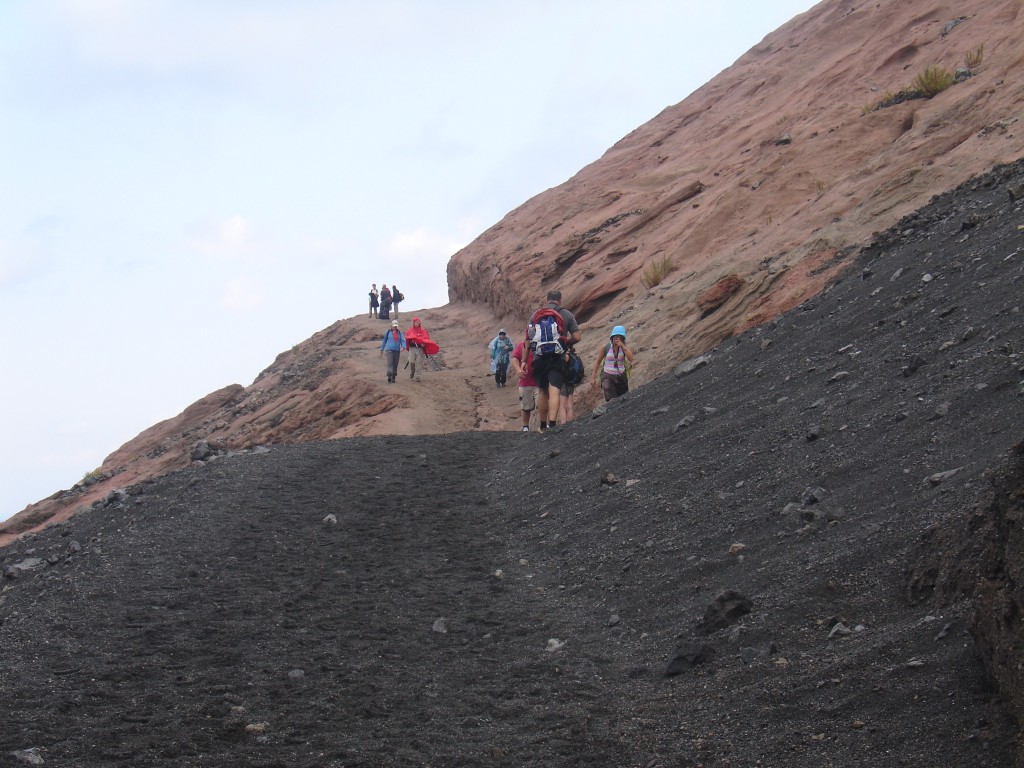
[{"x": 547, "y": 370}]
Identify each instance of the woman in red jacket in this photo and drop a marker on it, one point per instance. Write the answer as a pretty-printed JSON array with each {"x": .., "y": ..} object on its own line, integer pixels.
[{"x": 415, "y": 338}]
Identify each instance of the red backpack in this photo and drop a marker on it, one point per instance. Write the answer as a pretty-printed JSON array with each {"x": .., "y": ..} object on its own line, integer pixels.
[{"x": 547, "y": 332}]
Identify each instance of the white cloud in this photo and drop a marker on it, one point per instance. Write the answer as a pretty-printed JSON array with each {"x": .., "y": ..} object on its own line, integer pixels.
[
  {"x": 19, "y": 262},
  {"x": 421, "y": 243},
  {"x": 229, "y": 238},
  {"x": 243, "y": 295}
]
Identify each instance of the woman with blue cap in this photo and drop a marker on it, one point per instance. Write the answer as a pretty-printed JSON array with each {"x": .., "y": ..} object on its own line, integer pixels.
[{"x": 613, "y": 365}]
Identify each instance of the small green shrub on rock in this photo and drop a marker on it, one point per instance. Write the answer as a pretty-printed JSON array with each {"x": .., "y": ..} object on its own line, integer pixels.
[
  {"x": 655, "y": 272},
  {"x": 933, "y": 81}
]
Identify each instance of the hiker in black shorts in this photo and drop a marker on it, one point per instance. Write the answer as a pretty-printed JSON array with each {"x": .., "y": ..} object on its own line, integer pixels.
[{"x": 548, "y": 365}]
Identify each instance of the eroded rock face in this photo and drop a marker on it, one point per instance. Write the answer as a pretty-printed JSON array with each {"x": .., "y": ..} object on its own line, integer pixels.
[
  {"x": 738, "y": 203},
  {"x": 978, "y": 557}
]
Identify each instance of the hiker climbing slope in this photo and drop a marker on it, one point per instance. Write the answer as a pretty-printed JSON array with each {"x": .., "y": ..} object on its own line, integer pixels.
[
  {"x": 613, "y": 364},
  {"x": 554, "y": 330}
]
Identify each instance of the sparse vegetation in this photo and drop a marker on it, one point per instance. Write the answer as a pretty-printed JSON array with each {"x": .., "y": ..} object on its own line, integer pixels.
[
  {"x": 656, "y": 271},
  {"x": 933, "y": 81},
  {"x": 928, "y": 82},
  {"x": 91, "y": 477},
  {"x": 973, "y": 58}
]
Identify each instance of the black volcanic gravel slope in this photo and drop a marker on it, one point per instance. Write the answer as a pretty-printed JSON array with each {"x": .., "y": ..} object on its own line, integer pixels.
[{"x": 709, "y": 572}]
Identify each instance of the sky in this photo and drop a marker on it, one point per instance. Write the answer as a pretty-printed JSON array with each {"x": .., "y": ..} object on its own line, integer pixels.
[{"x": 189, "y": 188}]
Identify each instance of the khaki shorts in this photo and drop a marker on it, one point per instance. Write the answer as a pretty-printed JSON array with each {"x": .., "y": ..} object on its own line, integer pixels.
[{"x": 527, "y": 398}]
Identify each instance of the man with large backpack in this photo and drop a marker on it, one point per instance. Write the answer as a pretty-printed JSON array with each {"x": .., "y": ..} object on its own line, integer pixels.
[{"x": 553, "y": 330}]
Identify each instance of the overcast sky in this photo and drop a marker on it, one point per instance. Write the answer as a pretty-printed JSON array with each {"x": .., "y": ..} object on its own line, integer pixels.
[{"x": 188, "y": 188}]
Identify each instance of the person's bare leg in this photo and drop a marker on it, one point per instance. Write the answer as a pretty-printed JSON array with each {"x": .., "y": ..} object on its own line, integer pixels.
[
  {"x": 554, "y": 393},
  {"x": 565, "y": 409}
]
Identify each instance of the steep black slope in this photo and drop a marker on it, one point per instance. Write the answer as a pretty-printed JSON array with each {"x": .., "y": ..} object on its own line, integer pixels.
[{"x": 495, "y": 600}]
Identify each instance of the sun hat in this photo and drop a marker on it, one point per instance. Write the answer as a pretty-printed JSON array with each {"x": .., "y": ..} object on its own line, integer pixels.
[
  {"x": 618, "y": 330},
  {"x": 394, "y": 323},
  {"x": 501, "y": 331}
]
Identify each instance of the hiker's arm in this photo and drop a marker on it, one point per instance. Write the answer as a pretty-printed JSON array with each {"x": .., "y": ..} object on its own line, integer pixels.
[{"x": 629, "y": 353}]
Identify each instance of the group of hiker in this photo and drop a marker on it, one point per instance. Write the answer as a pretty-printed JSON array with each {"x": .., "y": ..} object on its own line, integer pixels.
[
  {"x": 544, "y": 360},
  {"x": 416, "y": 341},
  {"x": 548, "y": 367},
  {"x": 382, "y": 301}
]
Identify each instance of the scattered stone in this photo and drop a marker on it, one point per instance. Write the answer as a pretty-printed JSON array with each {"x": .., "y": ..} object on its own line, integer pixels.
[
  {"x": 683, "y": 423},
  {"x": 608, "y": 478},
  {"x": 28, "y": 564},
  {"x": 116, "y": 496},
  {"x": 752, "y": 653},
  {"x": 687, "y": 656},
  {"x": 896, "y": 275},
  {"x": 257, "y": 727},
  {"x": 689, "y": 366},
  {"x": 615, "y": 620},
  {"x": 813, "y": 495},
  {"x": 28, "y": 756},
  {"x": 927, "y": 278},
  {"x": 784, "y": 139},
  {"x": 554, "y": 644},
  {"x": 813, "y": 434},
  {"x": 948, "y": 26},
  {"x": 555, "y": 453},
  {"x": 839, "y": 630},
  {"x": 441, "y": 626},
  {"x": 728, "y": 608},
  {"x": 939, "y": 477},
  {"x": 296, "y": 674},
  {"x": 736, "y": 548},
  {"x": 839, "y": 376},
  {"x": 911, "y": 367},
  {"x": 1016, "y": 192},
  {"x": 201, "y": 451},
  {"x": 944, "y": 632},
  {"x": 659, "y": 411},
  {"x": 331, "y": 519}
]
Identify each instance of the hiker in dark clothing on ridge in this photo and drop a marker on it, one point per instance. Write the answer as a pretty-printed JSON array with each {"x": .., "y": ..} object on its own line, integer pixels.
[{"x": 374, "y": 304}]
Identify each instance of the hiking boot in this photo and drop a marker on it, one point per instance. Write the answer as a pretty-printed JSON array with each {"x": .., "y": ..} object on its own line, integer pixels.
[{"x": 526, "y": 429}]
